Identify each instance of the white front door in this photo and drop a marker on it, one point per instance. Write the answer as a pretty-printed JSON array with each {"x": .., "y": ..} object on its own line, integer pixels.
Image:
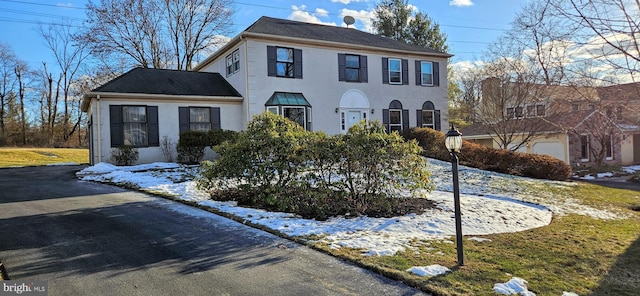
[{"x": 353, "y": 117}]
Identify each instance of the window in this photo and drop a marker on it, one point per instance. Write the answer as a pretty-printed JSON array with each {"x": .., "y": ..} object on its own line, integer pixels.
[
  {"x": 608, "y": 147},
  {"x": 291, "y": 105},
  {"x": 284, "y": 62},
  {"x": 584, "y": 147},
  {"x": 395, "y": 118},
  {"x": 198, "y": 118},
  {"x": 236, "y": 60},
  {"x": 133, "y": 125},
  {"x": 395, "y": 71},
  {"x": 229, "y": 65},
  {"x": 619, "y": 111},
  {"x": 541, "y": 110},
  {"x": 515, "y": 112},
  {"x": 531, "y": 111},
  {"x": 575, "y": 107},
  {"x": 233, "y": 62},
  {"x": 428, "y": 116},
  {"x": 591, "y": 106},
  {"x": 426, "y": 69},
  {"x": 352, "y": 68},
  {"x": 519, "y": 112}
]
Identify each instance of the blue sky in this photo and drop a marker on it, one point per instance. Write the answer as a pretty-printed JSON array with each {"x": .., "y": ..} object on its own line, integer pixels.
[{"x": 470, "y": 25}]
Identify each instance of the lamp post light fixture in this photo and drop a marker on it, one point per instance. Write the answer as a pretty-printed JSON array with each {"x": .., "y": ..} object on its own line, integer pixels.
[{"x": 453, "y": 142}]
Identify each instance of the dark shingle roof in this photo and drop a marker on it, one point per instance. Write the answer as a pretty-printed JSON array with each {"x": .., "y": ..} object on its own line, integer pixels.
[
  {"x": 295, "y": 29},
  {"x": 170, "y": 82}
]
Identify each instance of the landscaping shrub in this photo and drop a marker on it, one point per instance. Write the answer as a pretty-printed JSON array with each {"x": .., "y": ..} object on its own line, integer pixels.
[
  {"x": 486, "y": 158},
  {"x": 216, "y": 137},
  {"x": 191, "y": 146},
  {"x": 277, "y": 165},
  {"x": 124, "y": 155}
]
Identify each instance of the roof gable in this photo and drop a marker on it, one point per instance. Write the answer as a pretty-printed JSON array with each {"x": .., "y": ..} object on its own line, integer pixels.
[{"x": 169, "y": 82}]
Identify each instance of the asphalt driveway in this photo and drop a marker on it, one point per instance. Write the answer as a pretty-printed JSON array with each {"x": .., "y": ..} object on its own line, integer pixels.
[{"x": 93, "y": 239}]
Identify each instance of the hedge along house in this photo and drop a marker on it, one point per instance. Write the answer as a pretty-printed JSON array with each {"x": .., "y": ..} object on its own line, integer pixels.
[{"x": 323, "y": 77}]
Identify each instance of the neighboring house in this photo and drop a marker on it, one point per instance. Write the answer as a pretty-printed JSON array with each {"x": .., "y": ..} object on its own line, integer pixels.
[
  {"x": 325, "y": 78},
  {"x": 576, "y": 125}
]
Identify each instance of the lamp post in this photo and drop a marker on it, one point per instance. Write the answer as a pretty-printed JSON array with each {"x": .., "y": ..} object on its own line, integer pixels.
[{"x": 453, "y": 142}]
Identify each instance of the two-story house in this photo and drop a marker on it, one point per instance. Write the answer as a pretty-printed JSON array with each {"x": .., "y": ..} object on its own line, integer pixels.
[
  {"x": 583, "y": 126},
  {"x": 323, "y": 77}
]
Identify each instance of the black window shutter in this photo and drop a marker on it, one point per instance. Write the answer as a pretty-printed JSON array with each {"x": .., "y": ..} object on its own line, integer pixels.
[
  {"x": 364, "y": 75},
  {"x": 215, "y": 118},
  {"x": 385, "y": 70},
  {"x": 153, "y": 130},
  {"x": 342, "y": 62},
  {"x": 436, "y": 74},
  {"x": 405, "y": 71},
  {"x": 437, "y": 120},
  {"x": 183, "y": 119},
  {"x": 297, "y": 63},
  {"x": 271, "y": 60},
  {"x": 419, "y": 118},
  {"x": 385, "y": 119},
  {"x": 405, "y": 119},
  {"x": 115, "y": 125},
  {"x": 418, "y": 73}
]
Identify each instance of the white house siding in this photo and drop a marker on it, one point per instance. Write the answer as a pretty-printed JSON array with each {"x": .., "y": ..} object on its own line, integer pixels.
[
  {"x": 320, "y": 85},
  {"x": 167, "y": 120}
]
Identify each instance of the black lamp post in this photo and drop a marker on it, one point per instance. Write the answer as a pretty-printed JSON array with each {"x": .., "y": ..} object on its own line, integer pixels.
[{"x": 453, "y": 142}]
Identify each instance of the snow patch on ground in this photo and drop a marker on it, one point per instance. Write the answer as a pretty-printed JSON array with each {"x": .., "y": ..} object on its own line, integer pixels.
[
  {"x": 515, "y": 285},
  {"x": 431, "y": 270}
]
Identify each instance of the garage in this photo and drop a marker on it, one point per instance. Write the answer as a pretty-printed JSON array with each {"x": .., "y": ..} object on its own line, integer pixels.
[{"x": 555, "y": 149}]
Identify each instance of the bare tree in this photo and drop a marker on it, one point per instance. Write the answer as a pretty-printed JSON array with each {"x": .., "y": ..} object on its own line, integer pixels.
[
  {"x": 608, "y": 31},
  {"x": 513, "y": 102},
  {"x": 7, "y": 83},
  {"x": 19, "y": 70},
  {"x": 69, "y": 56},
  {"x": 156, "y": 33},
  {"x": 466, "y": 102}
]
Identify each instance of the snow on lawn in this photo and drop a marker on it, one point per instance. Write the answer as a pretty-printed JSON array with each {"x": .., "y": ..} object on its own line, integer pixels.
[
  {"x": 491, "y": 203},
  {"x": 515, "y": 285}
]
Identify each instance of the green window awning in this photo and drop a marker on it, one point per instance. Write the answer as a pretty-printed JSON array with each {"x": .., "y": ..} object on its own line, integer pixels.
[{"x": 287, "y": 99}]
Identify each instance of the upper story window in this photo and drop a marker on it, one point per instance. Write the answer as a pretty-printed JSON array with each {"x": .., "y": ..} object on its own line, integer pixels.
[
  {"x": 575, "y": 107},
  {"x": 395, "y": 71},
  {"x": 284, "y": 62},
  {"x": 536, "y": 110},
  {"x": 352, "y": 68},
  {"x": 426, "y": 70},
  {"x": 515, "y": 112},
  {"x": 233, "y": 62}
]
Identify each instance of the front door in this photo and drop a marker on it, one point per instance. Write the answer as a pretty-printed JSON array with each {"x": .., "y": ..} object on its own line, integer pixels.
[{"x": 353, "y": 117}]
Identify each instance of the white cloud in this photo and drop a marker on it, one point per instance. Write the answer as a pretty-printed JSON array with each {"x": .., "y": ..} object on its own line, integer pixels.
[
  {"x": 321, "y": 12},
  {"x": 460, "y": 3},
  {"x": 300, "y": 14},
  {"x": 65, "y": 5}
]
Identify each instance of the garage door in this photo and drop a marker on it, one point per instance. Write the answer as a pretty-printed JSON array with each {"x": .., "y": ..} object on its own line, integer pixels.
[{"x": 555, "y": 149}]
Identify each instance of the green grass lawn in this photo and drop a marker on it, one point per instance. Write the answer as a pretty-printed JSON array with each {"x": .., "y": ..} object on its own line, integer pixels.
[
  {"x": 575, "y": 253},
  {"x": 12, "y": 157}
]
